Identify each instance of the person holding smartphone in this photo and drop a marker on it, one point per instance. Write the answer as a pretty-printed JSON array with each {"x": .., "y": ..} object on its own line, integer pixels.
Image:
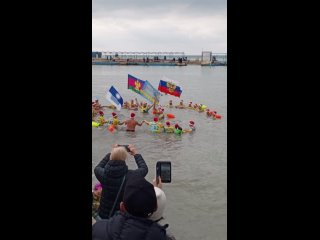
[
  {"x": 112, "y": 173},
  {"x": 157, "y": 216}
]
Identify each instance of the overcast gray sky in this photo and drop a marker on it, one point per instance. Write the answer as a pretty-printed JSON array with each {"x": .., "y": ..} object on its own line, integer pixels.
[{"x": 189, "y": 26}]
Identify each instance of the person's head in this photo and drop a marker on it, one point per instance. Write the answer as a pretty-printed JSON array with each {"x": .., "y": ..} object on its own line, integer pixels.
[
  {"x": 190, "y": 103},
  {"x": 176, "y": 125},
  {"x": 118, "y": 153},
  {"x": 101, "y": 113},
  {"x": 168, "y": 124},
  {"x": 155, "y": 119},
  {"x": 191, "y": 123},
  {"x": 145, "y": 105},
  {"x": 161, "y": 203},
  {"x": 132, "y": 115},
  {"x": 96, "y": 101},
  {"x": 114, "y": 115},
  {"x": 139, "y": 198}
]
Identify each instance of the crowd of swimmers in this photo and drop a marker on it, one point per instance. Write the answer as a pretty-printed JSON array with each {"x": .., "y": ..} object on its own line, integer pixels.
[{"x": 156, "y": 126}]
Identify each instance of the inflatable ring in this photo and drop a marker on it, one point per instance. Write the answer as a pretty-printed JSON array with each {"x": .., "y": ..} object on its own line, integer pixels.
[
  {"x": 169, "y": 115},
  {"x": 111, "y": 128},
  {"x": 203, "y": 107},
  {"x": 95, "y": 124}
]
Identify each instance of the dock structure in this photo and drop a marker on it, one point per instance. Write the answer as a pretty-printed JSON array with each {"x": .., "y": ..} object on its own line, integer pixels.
[
  {"x": 151, "y": 58},
  {"x": 213, "y": 59}
]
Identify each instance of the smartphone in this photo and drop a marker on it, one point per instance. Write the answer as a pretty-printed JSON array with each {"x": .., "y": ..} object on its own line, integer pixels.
[
  {"x": 163, "y": 169},
  {"x": 125, "y": 146}
]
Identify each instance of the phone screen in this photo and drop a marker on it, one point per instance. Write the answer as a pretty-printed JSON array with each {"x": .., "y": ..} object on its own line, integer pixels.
[{"x": 165, "y": 172}]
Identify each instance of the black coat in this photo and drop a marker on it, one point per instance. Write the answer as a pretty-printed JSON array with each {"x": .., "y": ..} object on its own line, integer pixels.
[
  {"x": 123, "y": 226},
  {"x": 110, "y": 174}
]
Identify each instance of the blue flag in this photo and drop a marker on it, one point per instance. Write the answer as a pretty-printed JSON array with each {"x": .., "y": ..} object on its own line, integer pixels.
[
  {"x": 114, "y": 97},
  {"x": 149, "y": 92}
]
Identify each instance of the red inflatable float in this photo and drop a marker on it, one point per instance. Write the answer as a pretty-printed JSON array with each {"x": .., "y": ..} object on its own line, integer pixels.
[{"x": 169, "y": 115}]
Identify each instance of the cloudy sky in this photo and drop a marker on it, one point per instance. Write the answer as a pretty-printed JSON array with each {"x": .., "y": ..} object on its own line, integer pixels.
[{"x": 188, "y": 26}]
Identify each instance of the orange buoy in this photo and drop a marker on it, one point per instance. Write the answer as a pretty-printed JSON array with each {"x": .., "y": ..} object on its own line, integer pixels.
[
  {"x": 111, "y": 128},
  {"x": 169, "y": 115}
]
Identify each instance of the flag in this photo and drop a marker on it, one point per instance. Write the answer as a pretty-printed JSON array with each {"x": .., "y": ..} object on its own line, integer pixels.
[
  {"x": 169, "y": 88},
  {"x": 114, "y": 97},
  {"x": 149, "y": 92},
  {"x": 135, "y": 84}
]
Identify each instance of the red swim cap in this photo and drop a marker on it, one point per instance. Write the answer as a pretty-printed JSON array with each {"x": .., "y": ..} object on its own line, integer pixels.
[
  {"x": 101, "y": 113},
  {"x": 191, "y": 122},
  {"x": 168, "y": 123},
  {"x": 132, "y": 115},
  {"x": 114, "y": 114},
  {"x": 155, "y": 119},
  {"x": 176, "y": 125}
]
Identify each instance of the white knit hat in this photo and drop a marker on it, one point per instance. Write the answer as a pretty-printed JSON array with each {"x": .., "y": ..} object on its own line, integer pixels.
[{"x": 161, "y": 201}]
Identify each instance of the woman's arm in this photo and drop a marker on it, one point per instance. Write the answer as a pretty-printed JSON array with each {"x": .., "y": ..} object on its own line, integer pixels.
[{"x": 99, "y": 169}]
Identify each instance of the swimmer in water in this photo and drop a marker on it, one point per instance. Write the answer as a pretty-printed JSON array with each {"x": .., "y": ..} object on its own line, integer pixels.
[
  {"x": 125, "y": 105},
  {"x": 144, "y": 108},
  {"x": 200, "y": 108},
  {"x": 178, "y": 129},
  {"x": 96, "y": 107},
  {"x": 114, "y": 120},
  {"x": 168, "y": 128},
  {"x": 109, "y": 106},
  {"x": 155, "y": 126},
  {"x": 131, "y": 123},
  {"x": 101, "y": 119},
  {"x": 192, "y": 127},
  {"x": 195, "y": 106},
  {"x": 181, "y": 105}
]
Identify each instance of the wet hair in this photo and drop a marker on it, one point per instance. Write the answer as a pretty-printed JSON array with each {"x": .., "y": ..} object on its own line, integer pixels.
[{"x": 119, "y": 153}]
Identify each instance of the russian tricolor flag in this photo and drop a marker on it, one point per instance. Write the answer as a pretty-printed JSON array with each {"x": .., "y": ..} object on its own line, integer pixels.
[{"x": 169, "y": 88}]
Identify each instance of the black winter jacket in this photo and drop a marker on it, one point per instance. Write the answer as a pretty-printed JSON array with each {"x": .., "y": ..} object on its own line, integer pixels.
[
  {"x": 110, "y": 174},
  {"x": 123, "y": 226}
]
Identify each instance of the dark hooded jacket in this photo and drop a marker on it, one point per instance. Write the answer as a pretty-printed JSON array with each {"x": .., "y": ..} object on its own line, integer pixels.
[
  {"x": 123, "y": 226},
  {"x": 110, "y": 174}
]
